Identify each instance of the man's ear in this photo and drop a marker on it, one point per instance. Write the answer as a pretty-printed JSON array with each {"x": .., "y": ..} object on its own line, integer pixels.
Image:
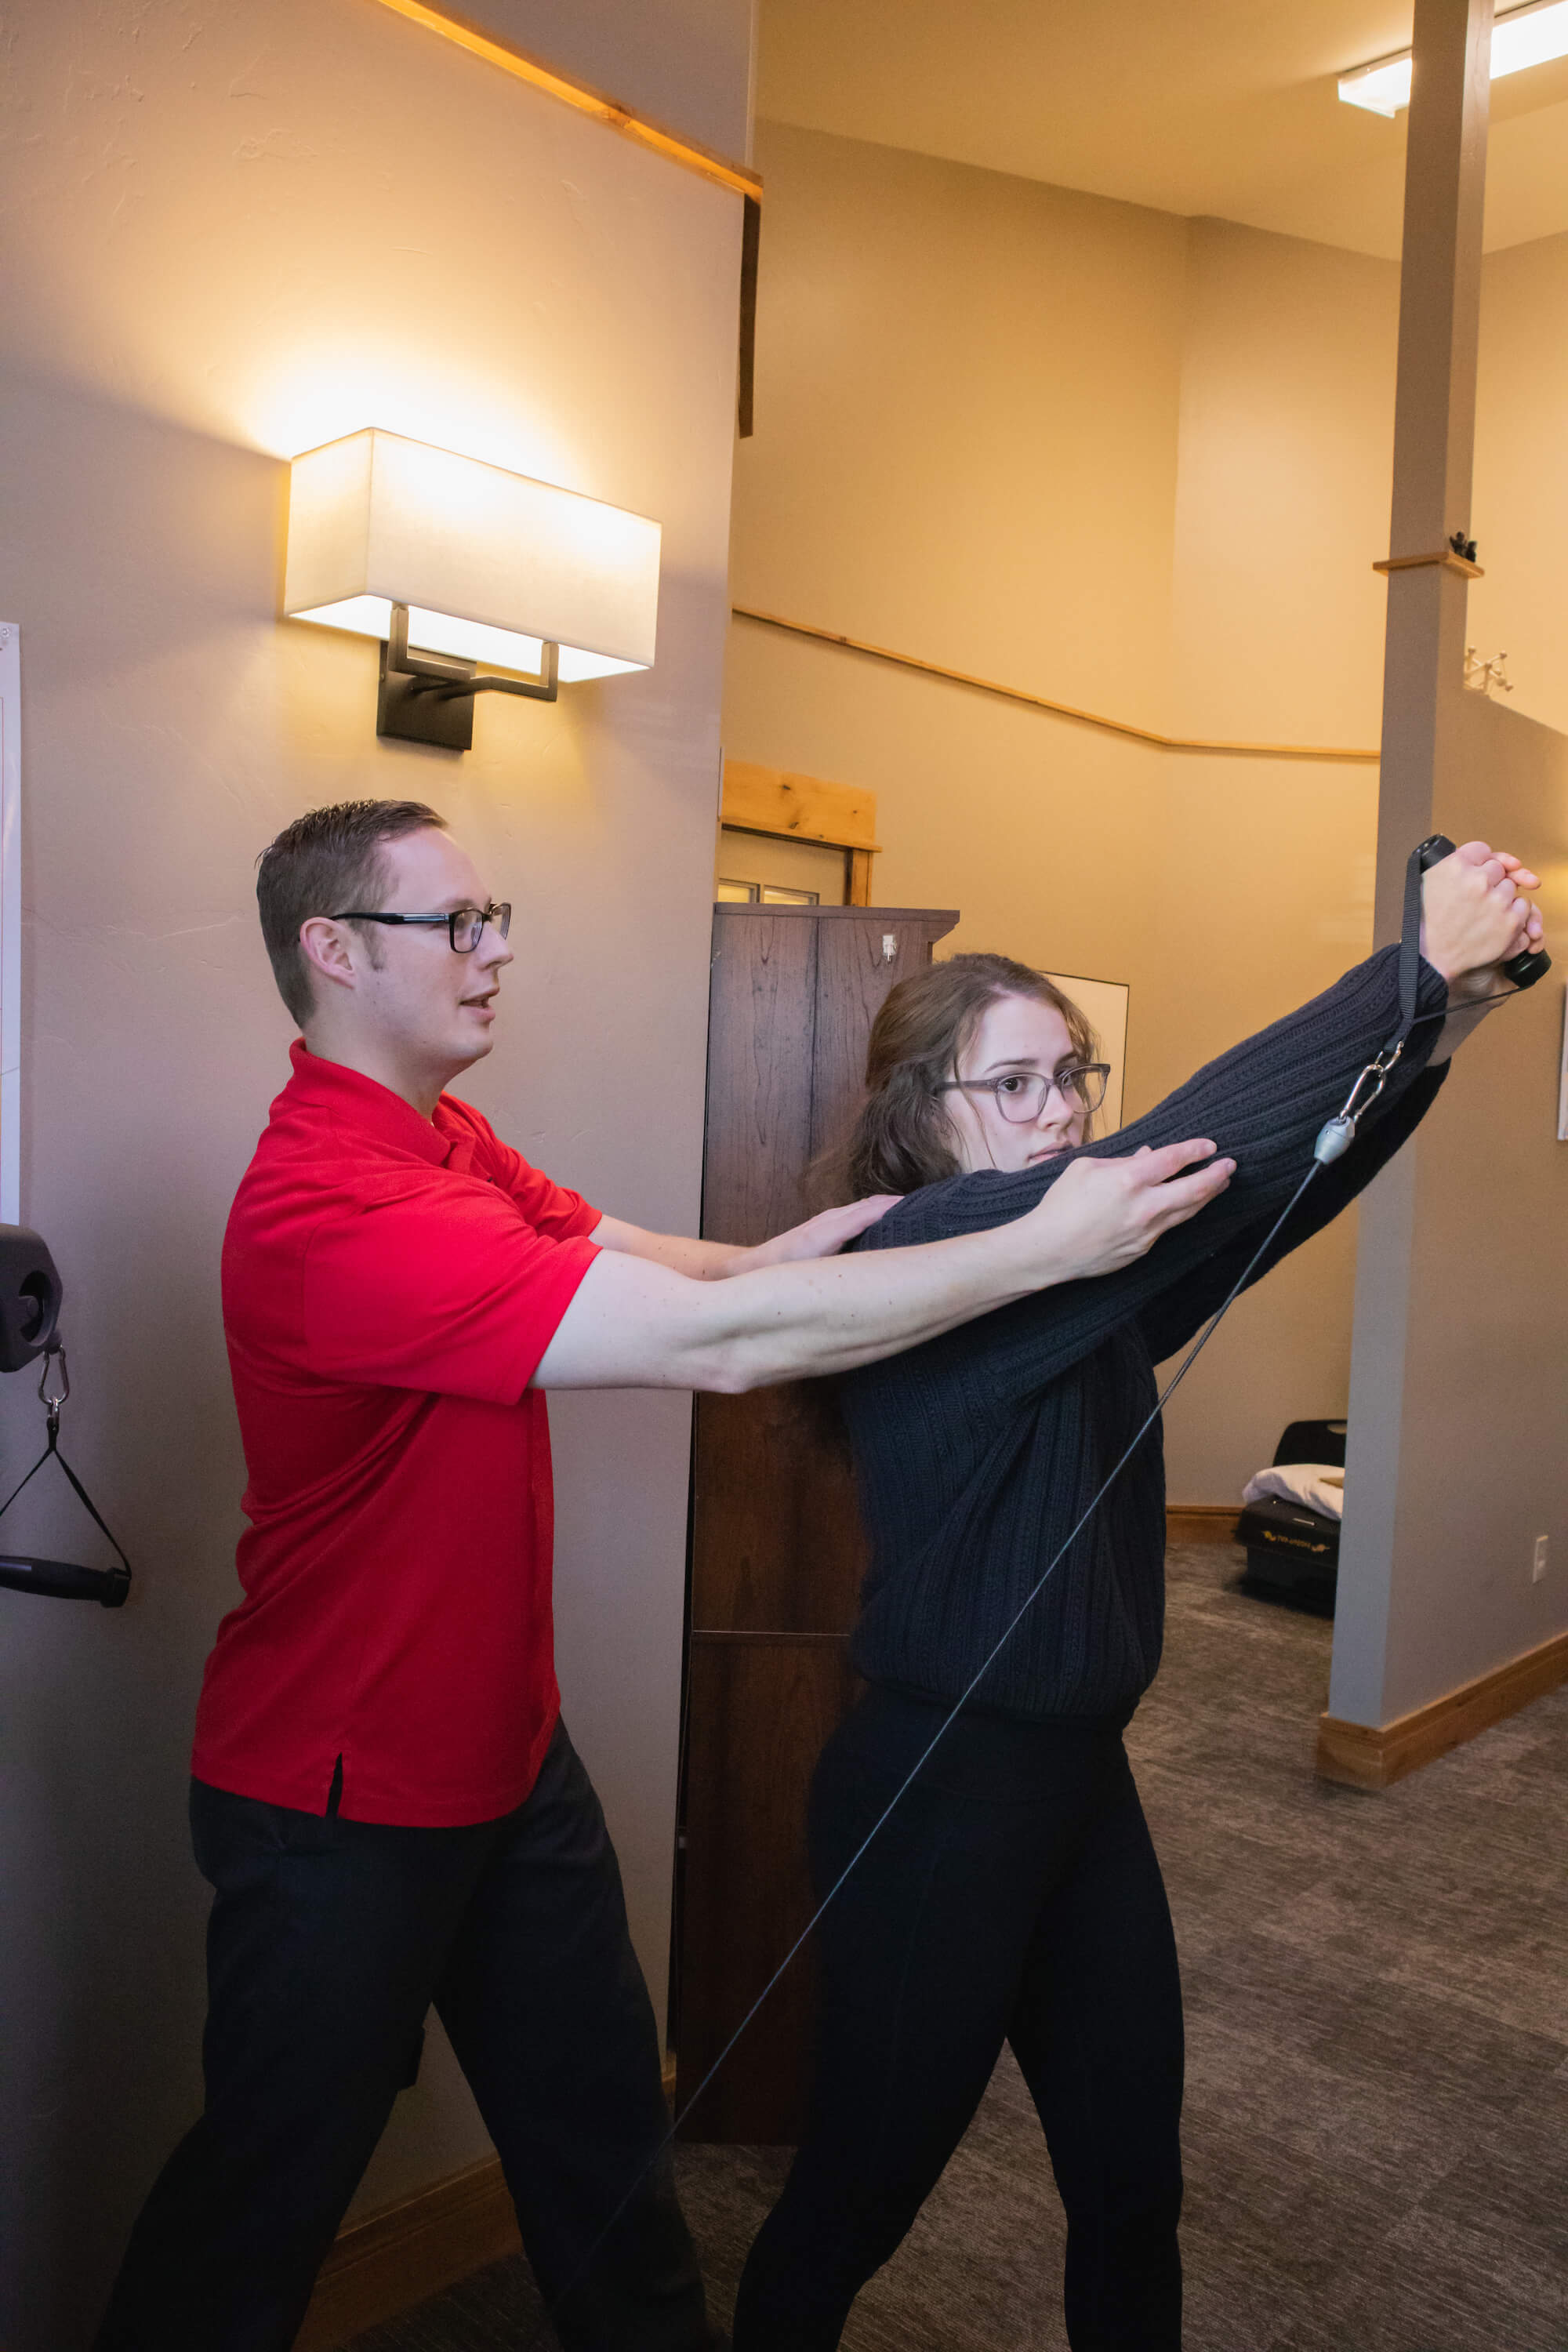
[{"x": 328, "y": 948}]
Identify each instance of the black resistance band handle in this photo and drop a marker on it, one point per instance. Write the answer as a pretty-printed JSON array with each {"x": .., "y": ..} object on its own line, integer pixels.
[
  {"x": 63, "y": 1581},
  {"x": 1526, "y": 968}
]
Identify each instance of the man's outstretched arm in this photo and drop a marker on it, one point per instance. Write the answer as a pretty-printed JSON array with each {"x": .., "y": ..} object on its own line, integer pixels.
[
  {"x": 634, "y": 1322},
  {"x": 820, "y": 1236}
]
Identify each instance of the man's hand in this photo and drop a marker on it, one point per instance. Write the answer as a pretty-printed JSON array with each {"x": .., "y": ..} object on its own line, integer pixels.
[
  {"x": 820, "y": 1236},
  {"x": 1100, "y": 1215},
  {"x": 1474, "y": 917}
]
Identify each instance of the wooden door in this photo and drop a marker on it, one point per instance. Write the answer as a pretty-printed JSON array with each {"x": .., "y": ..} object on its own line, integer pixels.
[{"x": 776, "y": 1550}]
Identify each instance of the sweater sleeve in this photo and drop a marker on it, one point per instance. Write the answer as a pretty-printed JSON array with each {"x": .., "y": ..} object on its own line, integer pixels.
[
  {"x": 1263, "y": 1103},
  {"x": 1176, "y": 1314}
]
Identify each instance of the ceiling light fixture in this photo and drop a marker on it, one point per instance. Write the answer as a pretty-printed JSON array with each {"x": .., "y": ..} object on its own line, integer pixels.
[
  {"x": 1524, "y": 37},
  {"x": 392, "y": 539}
]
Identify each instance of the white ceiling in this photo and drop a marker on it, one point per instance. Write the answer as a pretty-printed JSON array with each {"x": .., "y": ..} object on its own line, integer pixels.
[{"x": 1225, "y": 107}]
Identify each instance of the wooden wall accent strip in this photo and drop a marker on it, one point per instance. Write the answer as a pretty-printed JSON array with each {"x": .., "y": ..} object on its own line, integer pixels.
[
  {"x": 746, "y": 360},
  {"x": 738, "y": 177},
  {"x": 807, "y": 808},
  {"x": 392, "y": 2260},
  {"x": 1044, "y": 702},
  {"x": 1374, "y": 1756}
]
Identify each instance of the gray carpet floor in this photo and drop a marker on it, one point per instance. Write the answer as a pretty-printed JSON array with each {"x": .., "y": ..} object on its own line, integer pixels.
[{"x": 1376, "y": 2127}]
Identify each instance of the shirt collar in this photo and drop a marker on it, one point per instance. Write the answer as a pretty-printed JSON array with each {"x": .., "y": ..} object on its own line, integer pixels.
[{"x": 349, "y": 1098}]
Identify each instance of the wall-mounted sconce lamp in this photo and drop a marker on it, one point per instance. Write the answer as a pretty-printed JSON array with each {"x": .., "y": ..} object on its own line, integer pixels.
[{"x": 394, "y": 540}]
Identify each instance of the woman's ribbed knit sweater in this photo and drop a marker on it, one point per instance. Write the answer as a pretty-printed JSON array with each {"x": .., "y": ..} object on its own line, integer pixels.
[{"x": 976, "y": 1453}]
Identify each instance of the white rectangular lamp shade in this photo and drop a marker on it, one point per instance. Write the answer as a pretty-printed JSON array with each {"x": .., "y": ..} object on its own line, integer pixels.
[
  {"x": 1525, "y": 36},
  {"x": 491, "y": 564}
]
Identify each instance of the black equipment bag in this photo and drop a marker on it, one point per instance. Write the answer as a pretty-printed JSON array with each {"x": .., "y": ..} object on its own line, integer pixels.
[{"x": 1291, "y": 1548}]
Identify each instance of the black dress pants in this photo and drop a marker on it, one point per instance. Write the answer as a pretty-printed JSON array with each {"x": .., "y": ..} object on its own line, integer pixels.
[
  {"x": 328, "y": 1941},
  {"x": 1013, "y": 1896}
]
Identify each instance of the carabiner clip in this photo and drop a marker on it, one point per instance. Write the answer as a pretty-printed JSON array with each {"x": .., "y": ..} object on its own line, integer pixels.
[
  {"x": 53, "y": 1395},
  {"x": 1335, "y": 1138},
  {"x": 1378, "y": 1070}
]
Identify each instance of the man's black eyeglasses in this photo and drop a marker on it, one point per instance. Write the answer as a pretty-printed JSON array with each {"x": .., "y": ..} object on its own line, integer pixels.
[{"x": 463, "y": 925}]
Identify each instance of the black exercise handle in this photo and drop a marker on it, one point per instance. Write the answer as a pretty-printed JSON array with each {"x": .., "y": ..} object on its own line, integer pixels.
[
  {"x": 63, "y": 1581},
  {"x": 1526, "y": 968}
]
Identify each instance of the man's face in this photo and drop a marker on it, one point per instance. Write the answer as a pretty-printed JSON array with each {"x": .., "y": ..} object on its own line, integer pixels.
[{"x": 429, "y": 1006}]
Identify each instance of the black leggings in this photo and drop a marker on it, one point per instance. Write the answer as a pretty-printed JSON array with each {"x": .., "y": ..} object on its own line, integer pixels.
[{"x": 1013, "y": 1896}]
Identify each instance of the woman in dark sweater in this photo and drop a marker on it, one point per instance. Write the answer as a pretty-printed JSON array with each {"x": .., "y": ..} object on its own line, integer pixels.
[{"x": 1014, "y": 1895}]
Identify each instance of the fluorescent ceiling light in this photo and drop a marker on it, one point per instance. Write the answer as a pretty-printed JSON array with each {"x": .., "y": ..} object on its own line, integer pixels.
[{"x": 1525, "y": 36}]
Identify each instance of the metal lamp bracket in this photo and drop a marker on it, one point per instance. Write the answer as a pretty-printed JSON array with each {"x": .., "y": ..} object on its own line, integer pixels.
[{"x": 427, "y": 699}]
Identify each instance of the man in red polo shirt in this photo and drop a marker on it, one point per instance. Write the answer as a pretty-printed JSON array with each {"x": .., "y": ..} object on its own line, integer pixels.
[{"x": 384, "y": 1798}]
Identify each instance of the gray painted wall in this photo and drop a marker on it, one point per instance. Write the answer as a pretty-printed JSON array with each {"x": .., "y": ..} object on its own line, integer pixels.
[
  {"x": 231, "y": 233},
  {"x": 1458, "y": 1445}
]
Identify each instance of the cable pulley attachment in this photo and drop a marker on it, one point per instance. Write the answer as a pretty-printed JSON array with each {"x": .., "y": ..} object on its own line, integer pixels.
[
  {"x": 62, "y": 1580},
  {"x": 1337, "y": 1134}
]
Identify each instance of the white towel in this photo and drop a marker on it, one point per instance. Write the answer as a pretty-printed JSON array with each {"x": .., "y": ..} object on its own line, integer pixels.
[{"x": 1317, "y": 1484}]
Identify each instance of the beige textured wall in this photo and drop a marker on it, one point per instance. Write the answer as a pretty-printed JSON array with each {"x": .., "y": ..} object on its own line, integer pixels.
[
  {"x": 1042, "y": 437},
  {"x": 1520, "y": 508},
  {"x": 1459, "y": 1401},
  {"x": 966, "y": 418},
  {"x": 229, "y": 236},
  {"x": 1286, "y": 449}
]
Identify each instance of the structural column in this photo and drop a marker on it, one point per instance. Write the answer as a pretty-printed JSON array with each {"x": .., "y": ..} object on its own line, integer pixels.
[
  {"x": 1422, "y": 735},
  {"x": 1434, "y": 428}
]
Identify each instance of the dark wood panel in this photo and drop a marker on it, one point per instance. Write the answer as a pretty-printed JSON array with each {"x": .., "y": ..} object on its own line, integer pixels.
[
  {"x": 775, "y": 1528},
  {"x": 857, "y": 963},
  {"x": 758, "y": 1075},
  {"x": 776, "y": 1547},
  {"x": 759, "y": 1712}
]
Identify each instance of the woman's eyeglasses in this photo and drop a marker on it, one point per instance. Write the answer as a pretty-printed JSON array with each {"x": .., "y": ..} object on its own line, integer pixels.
[
  {"x": 1021, "y": 1093},
  {"x": 463, "y": 927}
]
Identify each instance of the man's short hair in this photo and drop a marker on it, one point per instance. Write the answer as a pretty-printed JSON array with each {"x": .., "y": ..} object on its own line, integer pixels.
[{"x": 325, "y": 861}]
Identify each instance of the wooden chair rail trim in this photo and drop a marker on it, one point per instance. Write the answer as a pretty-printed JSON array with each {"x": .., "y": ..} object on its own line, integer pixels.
[
  {"x": 1044, "y": 702},
  {"x": 738, "y": 177},
  {"x": 1374, "y": 1756}
]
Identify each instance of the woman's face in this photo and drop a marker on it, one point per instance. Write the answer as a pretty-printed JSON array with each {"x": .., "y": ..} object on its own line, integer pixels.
[{"x": 1016, "y": 1038}]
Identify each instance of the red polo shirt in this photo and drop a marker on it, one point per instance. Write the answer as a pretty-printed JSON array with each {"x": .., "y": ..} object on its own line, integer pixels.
[{"x": 389, "y": 1285}]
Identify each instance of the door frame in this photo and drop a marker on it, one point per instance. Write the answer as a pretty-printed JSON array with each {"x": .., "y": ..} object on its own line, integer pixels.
[{"x": 791, "y": 807}]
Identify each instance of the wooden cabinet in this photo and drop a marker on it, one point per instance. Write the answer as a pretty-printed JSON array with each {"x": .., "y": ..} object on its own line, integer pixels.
[{"x": 776, "y": 1550}]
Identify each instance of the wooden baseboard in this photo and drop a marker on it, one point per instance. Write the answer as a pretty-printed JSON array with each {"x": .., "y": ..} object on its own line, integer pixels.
[
  {"x": 1374, "y": 1756},
  {"x": 1201, "y": 1522},
  {"x": 392, "y": 2260}
]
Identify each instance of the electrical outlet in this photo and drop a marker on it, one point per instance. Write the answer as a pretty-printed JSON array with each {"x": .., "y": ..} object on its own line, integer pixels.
[{"x": 1538, "y": 1564}]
